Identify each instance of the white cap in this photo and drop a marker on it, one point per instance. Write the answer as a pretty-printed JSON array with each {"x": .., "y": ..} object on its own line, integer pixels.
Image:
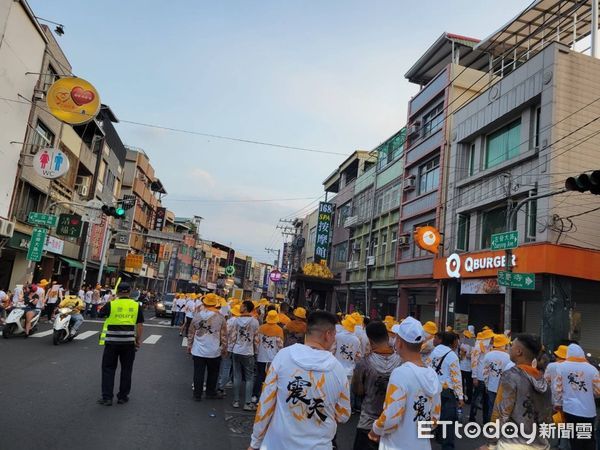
[
  {"x": 574, "y": 350},
  {"x": 410, "y": 330},
  {"x": 471, "y": 328}
]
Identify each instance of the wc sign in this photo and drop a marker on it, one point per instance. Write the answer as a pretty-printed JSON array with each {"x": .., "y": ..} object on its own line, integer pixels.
[{"x": 50, "y": 163}]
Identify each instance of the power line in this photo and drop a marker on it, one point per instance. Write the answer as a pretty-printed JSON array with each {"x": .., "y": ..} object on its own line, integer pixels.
[{"x": 200, "y": 200}]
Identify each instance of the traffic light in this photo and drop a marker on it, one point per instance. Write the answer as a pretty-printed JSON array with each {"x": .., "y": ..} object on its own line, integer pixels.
[
  {"x": 584, "y": 182},
  {"x": 113, "y": 211}
]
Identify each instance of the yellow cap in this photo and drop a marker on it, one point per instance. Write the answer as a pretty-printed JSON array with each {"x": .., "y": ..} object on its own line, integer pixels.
[
  {"x": 349, "y": 323},
  {"x": 211, "y": 299},
  {"x": 561, "y": 351},
  {"x": 358, "y": 318},
  {"x": 449, "y": 329},
  {"x": 485, "y": 334},
  {"x": 236, "y": 310},
  {"x": 263, "y": 302},
  {"x": 500, "y": 340},
  {"x": 430, "y": 327},
  {"x": 300, "y": 313},
  {"x": 468, "y": 334},
  {"x": 272, "y": 317}
]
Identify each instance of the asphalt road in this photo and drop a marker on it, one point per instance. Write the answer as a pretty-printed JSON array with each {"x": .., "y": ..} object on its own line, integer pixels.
[{"x": 48, "y": 398}]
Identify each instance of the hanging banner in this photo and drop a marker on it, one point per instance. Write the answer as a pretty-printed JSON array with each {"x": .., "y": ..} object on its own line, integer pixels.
[
  {"x": 73, "y": 100},
  {"x": 323, "y": 231}
]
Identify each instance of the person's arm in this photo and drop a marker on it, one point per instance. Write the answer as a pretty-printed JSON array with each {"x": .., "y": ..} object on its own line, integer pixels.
[
  {"x": 191, "y": 334},
  {"x": 557, "y": 390},
  {"x": 486, "y": 369},
  {"x": 224, "y": 336},
  {"x": 456, "y": 379},
  {"x": 394, "y": 408},
  {"x": 596, "y": 384},
  {"x": 139, "y": 328},
  {"x": 343, "y": 407},
  {"x": 474, "y": 364},
  {"x": 266, "y": 408}
]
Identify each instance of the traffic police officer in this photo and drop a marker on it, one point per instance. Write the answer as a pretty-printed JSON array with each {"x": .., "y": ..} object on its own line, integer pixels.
[{"x": 121, "y": 337}]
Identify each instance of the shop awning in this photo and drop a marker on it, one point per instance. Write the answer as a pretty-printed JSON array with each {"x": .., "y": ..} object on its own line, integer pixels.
[
  {"x": 72, "y": 263},
  {"x": 110, "y": 269}
]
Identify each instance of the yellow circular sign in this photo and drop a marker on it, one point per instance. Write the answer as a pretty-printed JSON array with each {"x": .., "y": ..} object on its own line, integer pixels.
[{"x": 73, "y": 100}]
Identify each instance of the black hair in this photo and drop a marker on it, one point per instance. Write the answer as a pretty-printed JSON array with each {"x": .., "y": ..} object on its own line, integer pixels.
[
  {"x": 531, "y": 344},
  {"x": 376, "y": 331},
  {"x": 124, "y": 287},
  {"x": 366, "y": 321},
  {"x": 447, "y": 338},
  {"x": 284, "y": 307},
  {"x": 248, "y": 305},
  {"x": 271, "y": 308},
  {"x": 318, "y": 320}
]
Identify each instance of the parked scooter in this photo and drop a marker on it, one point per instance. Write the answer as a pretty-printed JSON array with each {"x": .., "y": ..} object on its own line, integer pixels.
[
  {"x": 62, "y": 327},
  {"x": 15, "y": 323}
]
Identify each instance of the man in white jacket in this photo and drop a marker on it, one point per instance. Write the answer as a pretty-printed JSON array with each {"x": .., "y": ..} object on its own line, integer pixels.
[
  {"x": 413, "y": 395},
  {"x": 305, "y": 395},
  {"x": 577, "y": 383},
  {"x": 348, "y": 348}
]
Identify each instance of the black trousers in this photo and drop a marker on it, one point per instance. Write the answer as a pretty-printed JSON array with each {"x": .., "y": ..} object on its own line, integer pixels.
[
  {"x": 582, "y": 444},
  {"x": 448, "y": 412},
  {"x": 362, "y": 441},
  {"x": 49, "y": 310},
  {"x": 212, "y": 365},
  {"x": 113, "y": 353},
  {"x": 480, "y": 397},
  {"x": 261, "y": 373},
  {"x": 467, "y": 386}
]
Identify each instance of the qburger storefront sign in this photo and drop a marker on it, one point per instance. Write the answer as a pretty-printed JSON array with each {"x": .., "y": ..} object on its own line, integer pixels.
[{"x": 471, "y": 265}]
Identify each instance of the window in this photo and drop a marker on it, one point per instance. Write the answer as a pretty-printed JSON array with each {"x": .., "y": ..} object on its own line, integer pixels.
[
  {"x": 343, "y": 213},
  {"x": 531, "y": 221},
  {"x": 374, "y": 245},
  {"x": 429, "y": 175},
  {"x": 462, "y": 235},
  {"x": 109, "y": 180},
  {"x": 503, "y": 144},
  {"x": 492, "y": 222},
  {"x": 383, "y": 255},
  {"x": 50, "y": 77},
  {"x": 101, "y": 175},
  {"x": 536, "y": 139},
  {"x": 433, "y": 120},
  {"x": 32, "y": 200},
  {"x": 393, "y": 246},
  {"x": 41, "y": 137},
  {"x": 312, "y": 236},
  {"x": 471, "y": 159},
  {"x": 418, "y": 252},
  {"x": 341, "y": 253}
]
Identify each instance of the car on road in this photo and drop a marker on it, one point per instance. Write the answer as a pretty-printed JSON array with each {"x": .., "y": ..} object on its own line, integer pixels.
[{"x": 163, "y": 308}]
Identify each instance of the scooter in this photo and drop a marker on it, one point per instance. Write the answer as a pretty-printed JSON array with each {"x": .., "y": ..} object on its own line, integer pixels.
[
  {"x": 15, "y": 323},
  {"x": 62, "y": 327}
]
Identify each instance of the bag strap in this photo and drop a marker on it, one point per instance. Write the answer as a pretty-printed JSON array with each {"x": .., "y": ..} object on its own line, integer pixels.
[{"x": 439, "y": 365}]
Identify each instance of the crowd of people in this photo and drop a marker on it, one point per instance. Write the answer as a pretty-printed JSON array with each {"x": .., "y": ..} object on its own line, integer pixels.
[{"x": 303, "y": 373}]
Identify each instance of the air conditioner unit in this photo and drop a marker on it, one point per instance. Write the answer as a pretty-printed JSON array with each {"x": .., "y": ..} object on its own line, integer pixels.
[
  {"x": 370, "y": 261},
  {"x": 7, "y": 228},
  {"x": 403, "y": 240},
  {"x": 83, "y": 190},
  {"x": 414, "y": 128},
  {"x": 350, "y": 221},
  {"x": 356, "y": 246},
  {"x": 82, "y": 185},
  {"x": 409, "y": 183},
  {"x": 350, "y": 264}
]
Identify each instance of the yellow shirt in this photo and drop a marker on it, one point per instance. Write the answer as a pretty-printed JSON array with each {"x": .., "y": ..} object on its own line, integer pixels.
[{"x": 74, "y": 303}]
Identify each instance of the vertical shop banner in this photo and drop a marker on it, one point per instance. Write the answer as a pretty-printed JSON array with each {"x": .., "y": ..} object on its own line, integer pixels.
[
  {"x": 323, "y": 231},
  {"x": 96, "y": 239},
  {"x": 285, "y": 259}
]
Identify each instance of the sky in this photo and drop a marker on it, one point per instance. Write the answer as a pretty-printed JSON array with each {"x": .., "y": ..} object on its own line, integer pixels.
[{"x": 323, "y": 75}]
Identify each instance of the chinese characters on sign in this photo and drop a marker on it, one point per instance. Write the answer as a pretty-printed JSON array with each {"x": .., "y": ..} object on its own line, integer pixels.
[
  {"x": 36, "y": 246},
  {"x": 160, "y": 218},
  {"x": 69, "y": 225},
  {"x": 37, "y": 218},
  {"x": 504, "y": 241},
  {"x": 323, "y": 231}
]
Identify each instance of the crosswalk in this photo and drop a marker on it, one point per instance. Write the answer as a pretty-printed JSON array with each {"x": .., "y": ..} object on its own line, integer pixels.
[{"x": 150, "y": 340}]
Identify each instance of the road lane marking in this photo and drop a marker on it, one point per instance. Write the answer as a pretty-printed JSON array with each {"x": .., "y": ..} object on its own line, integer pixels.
[
  {"x": 146, "y": 324},
  {"x": 152, "y": 339},
  {"x": 184, "y": 342},
  {"x": 85, "y": 335},
  {"x": 42, "y": 334}
]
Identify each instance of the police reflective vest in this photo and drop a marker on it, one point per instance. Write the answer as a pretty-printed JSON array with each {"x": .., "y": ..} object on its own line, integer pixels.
[{"x": 119, "y": 326}]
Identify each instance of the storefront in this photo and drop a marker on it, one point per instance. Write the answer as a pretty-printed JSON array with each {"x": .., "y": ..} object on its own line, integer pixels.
[{"x": 560, "y": 304}]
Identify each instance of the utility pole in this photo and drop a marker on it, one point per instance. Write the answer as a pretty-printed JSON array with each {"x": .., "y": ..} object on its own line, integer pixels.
[{"x": 278, "y": 252}]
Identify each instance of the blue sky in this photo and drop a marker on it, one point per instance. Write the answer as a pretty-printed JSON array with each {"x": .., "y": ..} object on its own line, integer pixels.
[{"x": 325, "y": 75}]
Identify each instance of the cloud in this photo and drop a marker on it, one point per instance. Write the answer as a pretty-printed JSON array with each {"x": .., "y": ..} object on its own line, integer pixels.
[{"x": 202, "y": 177}]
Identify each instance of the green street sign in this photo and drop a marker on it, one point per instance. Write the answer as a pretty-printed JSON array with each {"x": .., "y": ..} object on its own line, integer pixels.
[
  {"x": 517, "y": 280},
  {"x": 47, "y": 220},
  {"x": 505, "y": 241},
  {"x": 36, "y": 244},
  {"x": 69, "y": 225},
  {"x": 230, "y": 271}
]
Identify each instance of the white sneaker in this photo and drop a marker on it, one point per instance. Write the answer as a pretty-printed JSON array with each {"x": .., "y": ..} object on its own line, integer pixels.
[
  {"x": 254, "y": 399},
  {"x": 236, "y": 404}
]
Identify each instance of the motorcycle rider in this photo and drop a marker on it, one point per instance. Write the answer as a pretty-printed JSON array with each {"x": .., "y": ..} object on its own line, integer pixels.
[
  {"x": 30, "y": 311},
  {"x": 76, "y": 305}
]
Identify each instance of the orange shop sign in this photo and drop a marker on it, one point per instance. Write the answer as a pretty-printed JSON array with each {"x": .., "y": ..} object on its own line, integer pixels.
[
  {"x": 532, "y": 258},
  {"x": 134, "y": 261}
]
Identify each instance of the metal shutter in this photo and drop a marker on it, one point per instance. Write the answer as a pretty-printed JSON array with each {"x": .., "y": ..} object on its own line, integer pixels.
[
  {"x": 533, "y": 317},
  {"x": 590, "y": 327}
]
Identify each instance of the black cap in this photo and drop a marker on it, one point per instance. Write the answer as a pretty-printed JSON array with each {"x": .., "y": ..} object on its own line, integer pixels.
[{"x": 124, "y": 287}]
